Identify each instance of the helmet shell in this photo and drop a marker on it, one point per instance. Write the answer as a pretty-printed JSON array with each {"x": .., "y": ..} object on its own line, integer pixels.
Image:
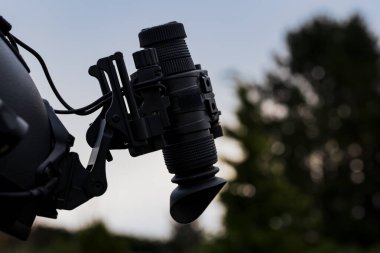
[{"x": 18, "y": 91}]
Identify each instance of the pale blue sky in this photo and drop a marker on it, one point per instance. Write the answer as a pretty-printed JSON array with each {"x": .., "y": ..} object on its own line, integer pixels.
[{"x": 223, "y": 36}]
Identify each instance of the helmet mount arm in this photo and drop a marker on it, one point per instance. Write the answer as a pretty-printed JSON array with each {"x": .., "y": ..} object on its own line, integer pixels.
[{"x": 114, "y": 128}]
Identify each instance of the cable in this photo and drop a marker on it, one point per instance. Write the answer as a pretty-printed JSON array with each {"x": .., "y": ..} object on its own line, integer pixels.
[
  {"x": 89, "y": 108},
  {"x": 41, "y": 191},
  {"x": 70, "y": 110},
  {"x": 86, "y": 110},
  {"x": 46, "y": 71},
  {"x": 12, "y": 41}
]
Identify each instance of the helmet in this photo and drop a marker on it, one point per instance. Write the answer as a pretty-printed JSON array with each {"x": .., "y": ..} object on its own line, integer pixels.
[{"x": 18, "y": 166}]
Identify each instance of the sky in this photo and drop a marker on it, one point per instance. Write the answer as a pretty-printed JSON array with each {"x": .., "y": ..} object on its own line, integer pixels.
[{"x": 229, "y": 38}]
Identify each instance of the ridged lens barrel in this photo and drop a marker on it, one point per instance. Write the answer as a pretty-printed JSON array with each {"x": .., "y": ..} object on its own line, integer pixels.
[
  {"x": 189, "y": 151},
  {"x": 190, "y": 148},
  {"x": 169, "y": 42}
]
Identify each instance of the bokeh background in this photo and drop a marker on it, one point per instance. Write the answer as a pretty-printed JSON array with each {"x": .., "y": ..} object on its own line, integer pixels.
[{"x": 298, "y": 85}]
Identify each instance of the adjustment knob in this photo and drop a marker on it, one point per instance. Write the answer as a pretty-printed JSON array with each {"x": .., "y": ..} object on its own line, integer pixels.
[
  {"x": 145, "y": 57},
  {"x": 172, "y": 51},
  {"x": 161, "y": 33}
]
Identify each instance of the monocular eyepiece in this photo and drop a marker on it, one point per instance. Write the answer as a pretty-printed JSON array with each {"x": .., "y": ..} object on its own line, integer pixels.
[{"x": 187, "y": 202}]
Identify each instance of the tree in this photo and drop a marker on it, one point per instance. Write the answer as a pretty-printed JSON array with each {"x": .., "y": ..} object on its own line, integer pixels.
[
  {"x": 185, "y": 239},
  {"x": 309, "y": 178}
]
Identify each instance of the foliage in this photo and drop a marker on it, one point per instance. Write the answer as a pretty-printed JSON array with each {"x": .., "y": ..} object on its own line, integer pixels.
[
  {"x": 309, "y": 178},
  {"x": 97, "y": 239}
]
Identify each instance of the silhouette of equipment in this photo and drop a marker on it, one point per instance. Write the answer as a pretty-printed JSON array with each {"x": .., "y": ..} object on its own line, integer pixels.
[{"x": 168, "y": 104}]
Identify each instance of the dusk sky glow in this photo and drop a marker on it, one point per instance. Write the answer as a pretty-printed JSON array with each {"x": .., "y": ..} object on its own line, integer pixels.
[{"x": 226, "y": 37}]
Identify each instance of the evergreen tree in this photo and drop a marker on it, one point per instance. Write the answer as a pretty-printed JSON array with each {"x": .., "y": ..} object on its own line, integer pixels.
[{"x": 309, "y": 180}]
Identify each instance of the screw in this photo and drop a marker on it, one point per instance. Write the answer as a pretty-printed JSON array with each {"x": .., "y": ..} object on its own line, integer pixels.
[{"x": 116, "y": 118}]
